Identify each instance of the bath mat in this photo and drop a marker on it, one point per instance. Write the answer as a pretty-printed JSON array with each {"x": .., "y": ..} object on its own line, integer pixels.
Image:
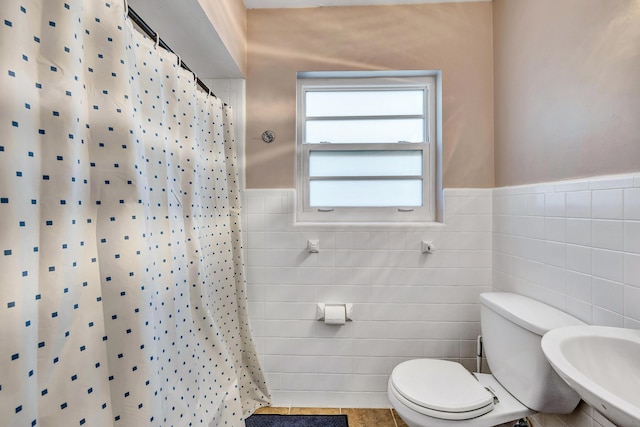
[{"x": 272, "y": 420}]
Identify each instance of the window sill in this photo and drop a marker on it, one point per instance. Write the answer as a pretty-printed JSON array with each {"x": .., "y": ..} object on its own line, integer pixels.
[{"x": 378, "y": 225}]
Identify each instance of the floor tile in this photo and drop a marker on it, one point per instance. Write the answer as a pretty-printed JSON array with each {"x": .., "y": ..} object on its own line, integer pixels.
[
  {"x": 369, "y": 417},
  {"x": 273, "y": 410},
  {"x": 314, "y": 411}
]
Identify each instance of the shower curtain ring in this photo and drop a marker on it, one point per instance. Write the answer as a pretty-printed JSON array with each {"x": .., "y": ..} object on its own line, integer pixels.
[
  {"x": 155, "y": 46},
  {"x": 179, "y": 61}
]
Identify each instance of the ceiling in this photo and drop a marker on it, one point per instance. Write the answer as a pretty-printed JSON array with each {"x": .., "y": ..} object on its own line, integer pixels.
[
  {"x": 185, "y": 27},
  {"x": 279, "y": 4}
]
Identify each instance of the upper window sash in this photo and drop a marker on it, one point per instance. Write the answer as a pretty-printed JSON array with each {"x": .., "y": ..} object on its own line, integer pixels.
[{"x": 342, "y": 112}]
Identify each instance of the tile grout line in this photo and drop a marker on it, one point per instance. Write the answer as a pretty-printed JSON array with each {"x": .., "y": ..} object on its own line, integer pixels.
[{"x": 393, "y": 416}]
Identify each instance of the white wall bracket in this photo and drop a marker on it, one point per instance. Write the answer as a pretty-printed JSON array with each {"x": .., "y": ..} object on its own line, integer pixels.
[
  {"x": 313, "y": 246},
  {"x": 427, "y": 247}
]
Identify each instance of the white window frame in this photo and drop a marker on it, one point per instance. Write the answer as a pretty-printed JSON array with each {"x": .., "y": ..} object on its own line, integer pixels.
[{"x": 427, "y": 81}]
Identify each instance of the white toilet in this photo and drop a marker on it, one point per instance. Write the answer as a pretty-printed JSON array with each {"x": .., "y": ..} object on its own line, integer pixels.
[{"x": 434, "y": 393}]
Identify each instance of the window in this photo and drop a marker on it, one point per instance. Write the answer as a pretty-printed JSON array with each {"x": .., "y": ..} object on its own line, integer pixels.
[{"x": 366, "y": 147}]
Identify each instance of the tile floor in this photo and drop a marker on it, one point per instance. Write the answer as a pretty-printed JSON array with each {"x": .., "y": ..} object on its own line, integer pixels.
[{"x": 357, "y": 417}]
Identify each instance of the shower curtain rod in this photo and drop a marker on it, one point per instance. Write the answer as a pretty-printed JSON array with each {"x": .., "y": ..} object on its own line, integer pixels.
[{"x": 149, "y": 31}]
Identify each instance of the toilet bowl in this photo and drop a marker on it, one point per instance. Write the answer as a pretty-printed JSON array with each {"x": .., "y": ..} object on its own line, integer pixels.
[
  {"x": 446, "y": 394},
  {"x": 437, "y": 393}
]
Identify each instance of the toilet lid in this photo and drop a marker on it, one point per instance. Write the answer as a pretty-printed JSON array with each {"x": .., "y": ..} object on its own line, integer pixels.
[{"x": 441, "y": 386}]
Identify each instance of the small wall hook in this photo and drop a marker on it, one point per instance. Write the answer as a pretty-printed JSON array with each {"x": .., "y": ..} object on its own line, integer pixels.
[
  {"x": 427, "y": 247},
  {"x": 313, "y": 246}
]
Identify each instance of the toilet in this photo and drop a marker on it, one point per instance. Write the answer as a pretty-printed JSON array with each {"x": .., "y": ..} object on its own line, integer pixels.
[{"x": 435, "y": 393}]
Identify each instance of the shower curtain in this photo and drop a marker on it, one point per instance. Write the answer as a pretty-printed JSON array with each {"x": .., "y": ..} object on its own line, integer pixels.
[{"x": 122, "y": 293}]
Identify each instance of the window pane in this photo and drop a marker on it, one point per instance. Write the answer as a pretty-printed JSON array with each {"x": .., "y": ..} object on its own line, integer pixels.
[
  {"x": 365, "y": 103},
  {"x": 366, "y": 193},
  {"x": 355, "y": 131},
  {"x": 365, "y": 163}
]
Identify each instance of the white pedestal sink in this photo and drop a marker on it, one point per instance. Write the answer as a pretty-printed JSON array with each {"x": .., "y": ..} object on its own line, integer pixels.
[{"x": 602, "y": 364}]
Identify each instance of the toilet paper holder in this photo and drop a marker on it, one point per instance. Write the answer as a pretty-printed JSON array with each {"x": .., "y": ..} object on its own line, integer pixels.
[{"x": 320, "y": 307}]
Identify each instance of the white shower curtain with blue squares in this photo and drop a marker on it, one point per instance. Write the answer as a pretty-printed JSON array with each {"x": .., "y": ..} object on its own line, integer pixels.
[{"x": 122, "y": 293}]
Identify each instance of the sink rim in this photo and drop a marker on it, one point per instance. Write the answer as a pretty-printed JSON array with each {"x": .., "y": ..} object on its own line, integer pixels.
[{"x": 588, "y": 389}]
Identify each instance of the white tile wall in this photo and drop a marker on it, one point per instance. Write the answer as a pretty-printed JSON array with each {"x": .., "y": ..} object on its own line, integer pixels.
[
  {"x": 406, "y": 304},
  {"x": 589, "y": 243},
  {"x": 590, "y": 265},
  {"x": 574, "y": 245}
]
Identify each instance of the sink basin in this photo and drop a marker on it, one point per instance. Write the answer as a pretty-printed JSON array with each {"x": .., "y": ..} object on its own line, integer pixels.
[{"x": 602, "y": 364}]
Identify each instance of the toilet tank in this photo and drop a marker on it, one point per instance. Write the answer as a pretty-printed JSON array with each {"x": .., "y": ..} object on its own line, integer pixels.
[{"x": 512, "y": 327}]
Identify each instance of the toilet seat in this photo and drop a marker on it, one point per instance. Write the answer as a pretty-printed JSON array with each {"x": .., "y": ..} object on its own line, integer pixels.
[{"x": 440, "y": 389}]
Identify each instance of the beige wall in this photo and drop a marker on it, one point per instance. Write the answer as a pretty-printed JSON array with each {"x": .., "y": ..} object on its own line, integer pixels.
[
  {"x": 453, "y": 37},
  {"x": 229, "y": 18},
  {"x": 567, "y": 89}
]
